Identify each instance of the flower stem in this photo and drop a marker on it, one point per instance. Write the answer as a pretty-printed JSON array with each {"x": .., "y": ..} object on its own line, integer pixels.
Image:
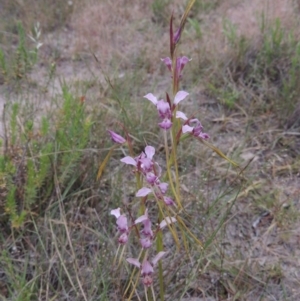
[{"x": 159, "y": 247}]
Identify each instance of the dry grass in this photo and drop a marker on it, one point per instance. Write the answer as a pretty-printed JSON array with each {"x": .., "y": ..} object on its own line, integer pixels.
[{"x": 254, "y": 256}]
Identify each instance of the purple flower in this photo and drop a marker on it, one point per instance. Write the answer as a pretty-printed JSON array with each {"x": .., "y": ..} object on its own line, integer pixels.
[
  {"x": 146, "y": 242},
  {"x": 147, "y": 268},
  {"x": 177, "y": 35},
  {"x": 163, "y": 187},
  {"x": 195, "y": 127},
  {"x": 122, "y": 225},
  {"x": 116, "y": 138},
  {"x": 123, "y": 239},
  {"x": 151, "y": 178},
  {"x": 165, "y": 124},
  {"x": 121, "y": 220},
  {"x": 147, "y": 231},
  {"x": 143, "y": 162},
  {"x": 146, "y": 164},
  {"x": 168, "y": 63},
  {"x": 163, "y": 108},
  {"x": 143, "y": 192},
  {"x": 149, "y": 151},
  {"x": 168, "y": 220},
  {"x": 180, "y": 63},
  {"x": 168, "y": 201},
  {"x": 164, "y": 111}
]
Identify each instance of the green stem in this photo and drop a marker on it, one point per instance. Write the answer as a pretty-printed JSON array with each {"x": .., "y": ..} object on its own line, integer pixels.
[{"x": 159, "y": 247}]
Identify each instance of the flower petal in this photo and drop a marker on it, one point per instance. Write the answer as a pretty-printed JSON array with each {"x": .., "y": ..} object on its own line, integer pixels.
[
  {"x": 163, "y": 187},
  {"x": 122, "y": 223},
  {"x": 141, "y": 219},
  {"x": 158, "y": 257},
  {"x": 143, "y": 192},
  {"x": 134, "y": 261},
  {"x": 181, "y": 62},
  {"x": 203, "y": 136},
  {"x": 151, "y": 178},
  {"x": 147, "y": 268},
  {"x": 163, "y": 109},
  {"x": 181, "y": 115},
  {"x": 129, "y": 160},
  {"x": 165, "y": 124},
  {"x": 187, "y": 129},
  {"x": 168, "y": 220},
  {"x": 168, "y": 63},
  {"x": 115, "y": 212},
  {"x": 168, "y": 201},
  {"x": 180, "y": 95},
  {"x": 149, "y": 151},
  {"x": 123, "y": 239},
  {"x": 116, "y": 138},
  {"x": 152, "y": 98},
  {"x": 146, "y": 242}
]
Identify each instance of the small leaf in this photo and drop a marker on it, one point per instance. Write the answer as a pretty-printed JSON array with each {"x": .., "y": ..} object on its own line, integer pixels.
[{"x": 103, "y": 164}]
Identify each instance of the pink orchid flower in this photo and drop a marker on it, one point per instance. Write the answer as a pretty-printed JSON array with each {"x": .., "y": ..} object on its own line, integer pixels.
[
  {"x": 180, "y": 63},
  {"x": 193, "y": 126},
  {"x": 122, "y": 225},
  {"x": 147, "y": 233},
  {"x": 168, "y": 201},
  {"x": 163, "y": 108},
  {"x": 147, "y": 268},
  {"x": 143, "y": 162}
]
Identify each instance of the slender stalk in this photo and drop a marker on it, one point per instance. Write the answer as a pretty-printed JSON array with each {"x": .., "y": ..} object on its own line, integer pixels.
[
  {"x": 169, "y": 170},
  {"x": 159, "y": 247}
]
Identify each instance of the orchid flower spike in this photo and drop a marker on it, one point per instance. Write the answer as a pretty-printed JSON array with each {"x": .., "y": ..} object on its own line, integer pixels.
[{"x": 195, "y": 127}]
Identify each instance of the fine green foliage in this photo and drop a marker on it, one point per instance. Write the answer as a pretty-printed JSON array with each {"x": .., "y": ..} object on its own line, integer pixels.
[
  {"x": 39, "y": 158},
  {"x": 16, "y": 66}
]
